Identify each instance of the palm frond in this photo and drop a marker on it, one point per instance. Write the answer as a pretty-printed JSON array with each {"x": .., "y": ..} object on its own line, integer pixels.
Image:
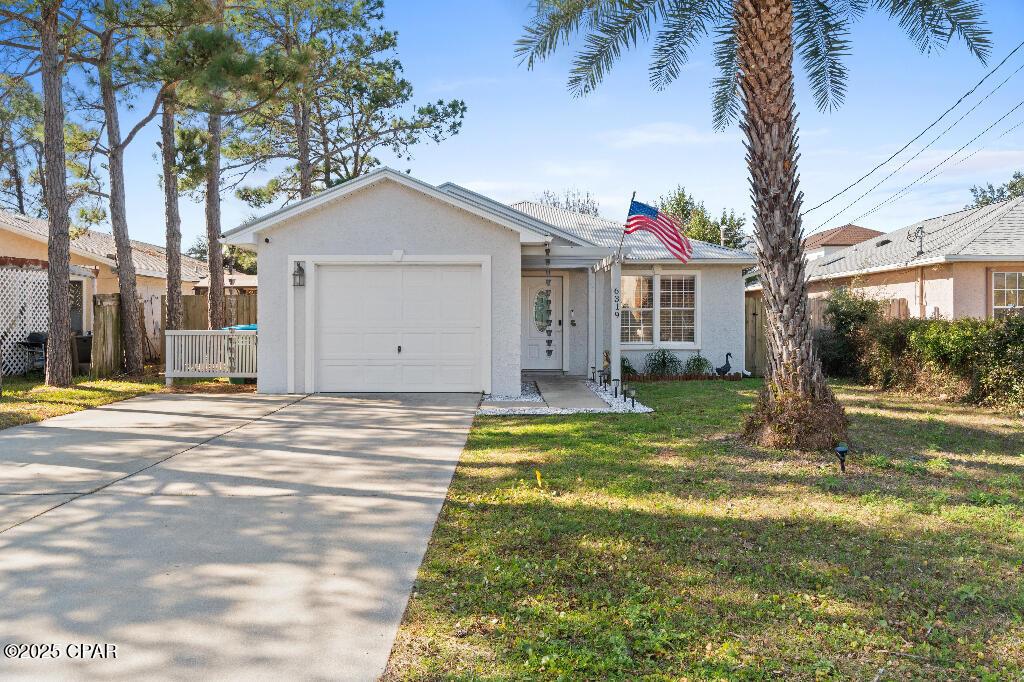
[
  {"x": 621, "y": 28},
  {"x": 822, "y": 40},
  {"x": 725, "y": 89},
  {"x": 686, "y": 24},
  {"x": 931, "y": 24},
  {"x": 556, "y": 23}
]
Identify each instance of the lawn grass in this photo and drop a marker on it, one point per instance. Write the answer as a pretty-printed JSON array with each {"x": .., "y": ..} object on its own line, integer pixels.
[
  {"x": 28, "y": 399},
  {"x": 659, "y": 547}
]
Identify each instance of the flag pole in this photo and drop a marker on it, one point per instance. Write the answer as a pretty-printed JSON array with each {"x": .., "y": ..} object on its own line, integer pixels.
[{"x": 622, "y": 239}]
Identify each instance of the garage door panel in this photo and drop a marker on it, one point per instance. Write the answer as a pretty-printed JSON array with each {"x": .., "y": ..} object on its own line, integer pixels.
[
  {"x": 364, "y": 313},
  {"x": 459, "y": 344},
  {"x": 417, "y": 345}
]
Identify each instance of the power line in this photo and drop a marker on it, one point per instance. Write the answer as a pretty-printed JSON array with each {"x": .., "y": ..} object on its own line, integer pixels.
[
  {"x": 930, "y": 171},
  {"x": 921, "y": 150},
  {"x": 919, "y": 135}
]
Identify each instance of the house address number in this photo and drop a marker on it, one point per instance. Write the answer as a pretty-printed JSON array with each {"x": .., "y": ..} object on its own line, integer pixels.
[{"x": 615, "y": 300}]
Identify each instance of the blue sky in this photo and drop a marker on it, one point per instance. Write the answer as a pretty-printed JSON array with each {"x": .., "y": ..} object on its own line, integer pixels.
[{"x": 525, "y": 133}]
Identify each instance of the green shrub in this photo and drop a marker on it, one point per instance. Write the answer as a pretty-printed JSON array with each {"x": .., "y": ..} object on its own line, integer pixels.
[
  {"x": 982, "y": 360},
  {"x": 840, "y": 346},
  {"x": 697, "y": 364},
  {"x": 627, "y": 367},
  {"x": 663, "y": 363}
]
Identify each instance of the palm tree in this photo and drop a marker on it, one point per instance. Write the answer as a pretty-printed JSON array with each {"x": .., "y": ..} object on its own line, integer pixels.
[{"x": 754, "y": 45}]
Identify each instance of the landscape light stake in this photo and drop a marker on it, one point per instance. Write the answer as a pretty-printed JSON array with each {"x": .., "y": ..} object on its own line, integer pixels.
[
  {"x": 632, "y": 397},
  {"x": 841, "y": 451},
  {"x": 616, "y": 382}
]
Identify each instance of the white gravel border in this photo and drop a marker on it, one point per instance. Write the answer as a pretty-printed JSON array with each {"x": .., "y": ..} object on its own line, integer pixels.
[
  {"x": 528, "y": 394},
  {"x": 620, "y": 405}
]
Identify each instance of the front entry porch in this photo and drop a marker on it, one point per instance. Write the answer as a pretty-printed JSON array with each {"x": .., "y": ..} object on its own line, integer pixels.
[{"x": 570, "y": 312}]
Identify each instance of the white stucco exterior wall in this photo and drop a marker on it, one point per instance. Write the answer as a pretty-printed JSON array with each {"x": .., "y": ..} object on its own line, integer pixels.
[
  {"x": 376, "y": 221},
  {"x": 721, "y": 316}
]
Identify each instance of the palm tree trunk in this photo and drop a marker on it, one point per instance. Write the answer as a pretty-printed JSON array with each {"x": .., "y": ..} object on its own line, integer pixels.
[
  {"x": 797, "y": 408},
  {"x": 58, "y": 354},
  {"x": 131, "y": 321},
  {"x": 172, "y": 216}
]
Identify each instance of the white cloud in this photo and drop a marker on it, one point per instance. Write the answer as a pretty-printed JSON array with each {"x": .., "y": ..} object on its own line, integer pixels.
[{"x": 663, "y": 134}]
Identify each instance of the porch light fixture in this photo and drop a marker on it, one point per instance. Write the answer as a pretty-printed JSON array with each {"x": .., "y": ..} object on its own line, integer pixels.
[{"x": 298, "y": 275}]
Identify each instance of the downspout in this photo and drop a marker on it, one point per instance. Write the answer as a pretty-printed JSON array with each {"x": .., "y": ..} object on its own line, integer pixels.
[{"x": 922, "y": 308}]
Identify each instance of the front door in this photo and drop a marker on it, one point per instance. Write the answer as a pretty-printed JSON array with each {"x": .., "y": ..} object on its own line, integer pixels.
[{"x": 542, "y": 342}]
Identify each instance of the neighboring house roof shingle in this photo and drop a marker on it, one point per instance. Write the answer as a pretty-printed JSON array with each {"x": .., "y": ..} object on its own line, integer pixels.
[
  {"x": 847, "y": 235},
  {"x": 607, "y": 233},
  {"x": 149, "y": 259},
  {"x": 993, "y": 232}
]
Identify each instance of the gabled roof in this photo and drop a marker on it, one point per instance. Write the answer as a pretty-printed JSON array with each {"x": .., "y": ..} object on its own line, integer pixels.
[
  {"x": 528, "y": 230},
  {"x": 541, "y": 226},
  {"x": 150, "y": 260},
  {"x": 847, "y": 235},
  {"x": 993, "y": 232},
  {"x": 642, "y": 246}
]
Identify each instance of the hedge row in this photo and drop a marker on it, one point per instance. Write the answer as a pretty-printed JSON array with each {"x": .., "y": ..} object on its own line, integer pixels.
[{"x": 983, "y": 358}]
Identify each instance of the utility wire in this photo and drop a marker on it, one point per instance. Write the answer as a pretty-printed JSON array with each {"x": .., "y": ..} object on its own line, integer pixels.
[
  {"x": 922, "y": 150},
  {"x": 941, "y": 163},
  {"x": 919, "y": 135}
]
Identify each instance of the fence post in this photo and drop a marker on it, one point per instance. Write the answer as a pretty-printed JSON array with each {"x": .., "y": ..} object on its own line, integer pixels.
[{"x": 107, "y": 356}]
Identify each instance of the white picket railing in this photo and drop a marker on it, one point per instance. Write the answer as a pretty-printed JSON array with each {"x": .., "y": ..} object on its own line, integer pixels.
[{"x": 203, "y": 353}]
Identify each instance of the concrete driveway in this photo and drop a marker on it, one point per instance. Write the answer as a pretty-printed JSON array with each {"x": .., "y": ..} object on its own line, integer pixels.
[{"x": 228, "y": 537}]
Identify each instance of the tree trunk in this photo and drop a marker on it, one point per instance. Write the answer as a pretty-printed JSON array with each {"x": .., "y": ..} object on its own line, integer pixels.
[
  {"x": 7, "y": 138},
  {"x": 172, "y": 216},
  {"x": 58, "y": 353},
  {"x": 301, "y": 113},
  {"x": 215, "y": 254},
  {"x": 131, "y": 321},
  {"x": 797, "y": 408}
]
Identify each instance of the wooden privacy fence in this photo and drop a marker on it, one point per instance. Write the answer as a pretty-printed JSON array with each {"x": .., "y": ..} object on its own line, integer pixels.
[
  {"x": 107, "y": 355},
  {"x": 209, "y": 353},
  {"x": 754, "y": 318},
  {"x": 240, "y": 309}
]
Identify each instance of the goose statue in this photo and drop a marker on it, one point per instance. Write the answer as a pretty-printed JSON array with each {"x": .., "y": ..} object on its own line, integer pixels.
[{"x": 726, "y": 368}]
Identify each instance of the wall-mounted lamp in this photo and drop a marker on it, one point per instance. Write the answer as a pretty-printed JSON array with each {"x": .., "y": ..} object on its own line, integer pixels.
[{"x": 298, "y": 275}]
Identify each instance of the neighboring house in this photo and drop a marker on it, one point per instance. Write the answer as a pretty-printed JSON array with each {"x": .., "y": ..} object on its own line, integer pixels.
[
  {"x": 25, "y": 237},
  {"x": 965, "y": 264},
  {"x": 821, "y": 244},
  {"x": 387, "y": 283},
  {"x": 234, "y": 283}
]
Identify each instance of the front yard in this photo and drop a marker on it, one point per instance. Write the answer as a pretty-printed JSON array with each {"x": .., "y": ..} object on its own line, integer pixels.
[
  {"x": 27, "y": 400},
  {"x": 659, "y": 547}
]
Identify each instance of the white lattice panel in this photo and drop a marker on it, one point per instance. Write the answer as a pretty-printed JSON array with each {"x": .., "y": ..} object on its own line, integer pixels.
[{"x": 23, "y": 309}]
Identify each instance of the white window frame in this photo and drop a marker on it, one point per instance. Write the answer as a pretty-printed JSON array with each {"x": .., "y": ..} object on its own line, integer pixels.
[
  {"x": 992, "y": 283},
  {"x": 657, "y": 273}
]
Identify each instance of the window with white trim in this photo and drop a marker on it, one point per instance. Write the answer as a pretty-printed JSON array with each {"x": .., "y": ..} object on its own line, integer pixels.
[
  {"x": 678, "y": 308},
  {"x": 1007, "y": 294},
  {"x": 660, "y": 310},
  {"x": 637, "y": 308}
]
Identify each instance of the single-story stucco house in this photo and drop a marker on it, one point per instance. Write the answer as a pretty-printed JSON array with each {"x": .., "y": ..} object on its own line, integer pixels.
[
  {"x": 964, "y": 264},
  {"x": 387, "y": 283}
]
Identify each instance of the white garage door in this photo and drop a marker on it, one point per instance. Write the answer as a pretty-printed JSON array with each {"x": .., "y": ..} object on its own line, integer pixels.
[{"x": 398, "y": 328}]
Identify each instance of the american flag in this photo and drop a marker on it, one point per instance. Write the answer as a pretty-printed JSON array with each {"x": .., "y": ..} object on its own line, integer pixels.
[{"x": 644, "y": 217}]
